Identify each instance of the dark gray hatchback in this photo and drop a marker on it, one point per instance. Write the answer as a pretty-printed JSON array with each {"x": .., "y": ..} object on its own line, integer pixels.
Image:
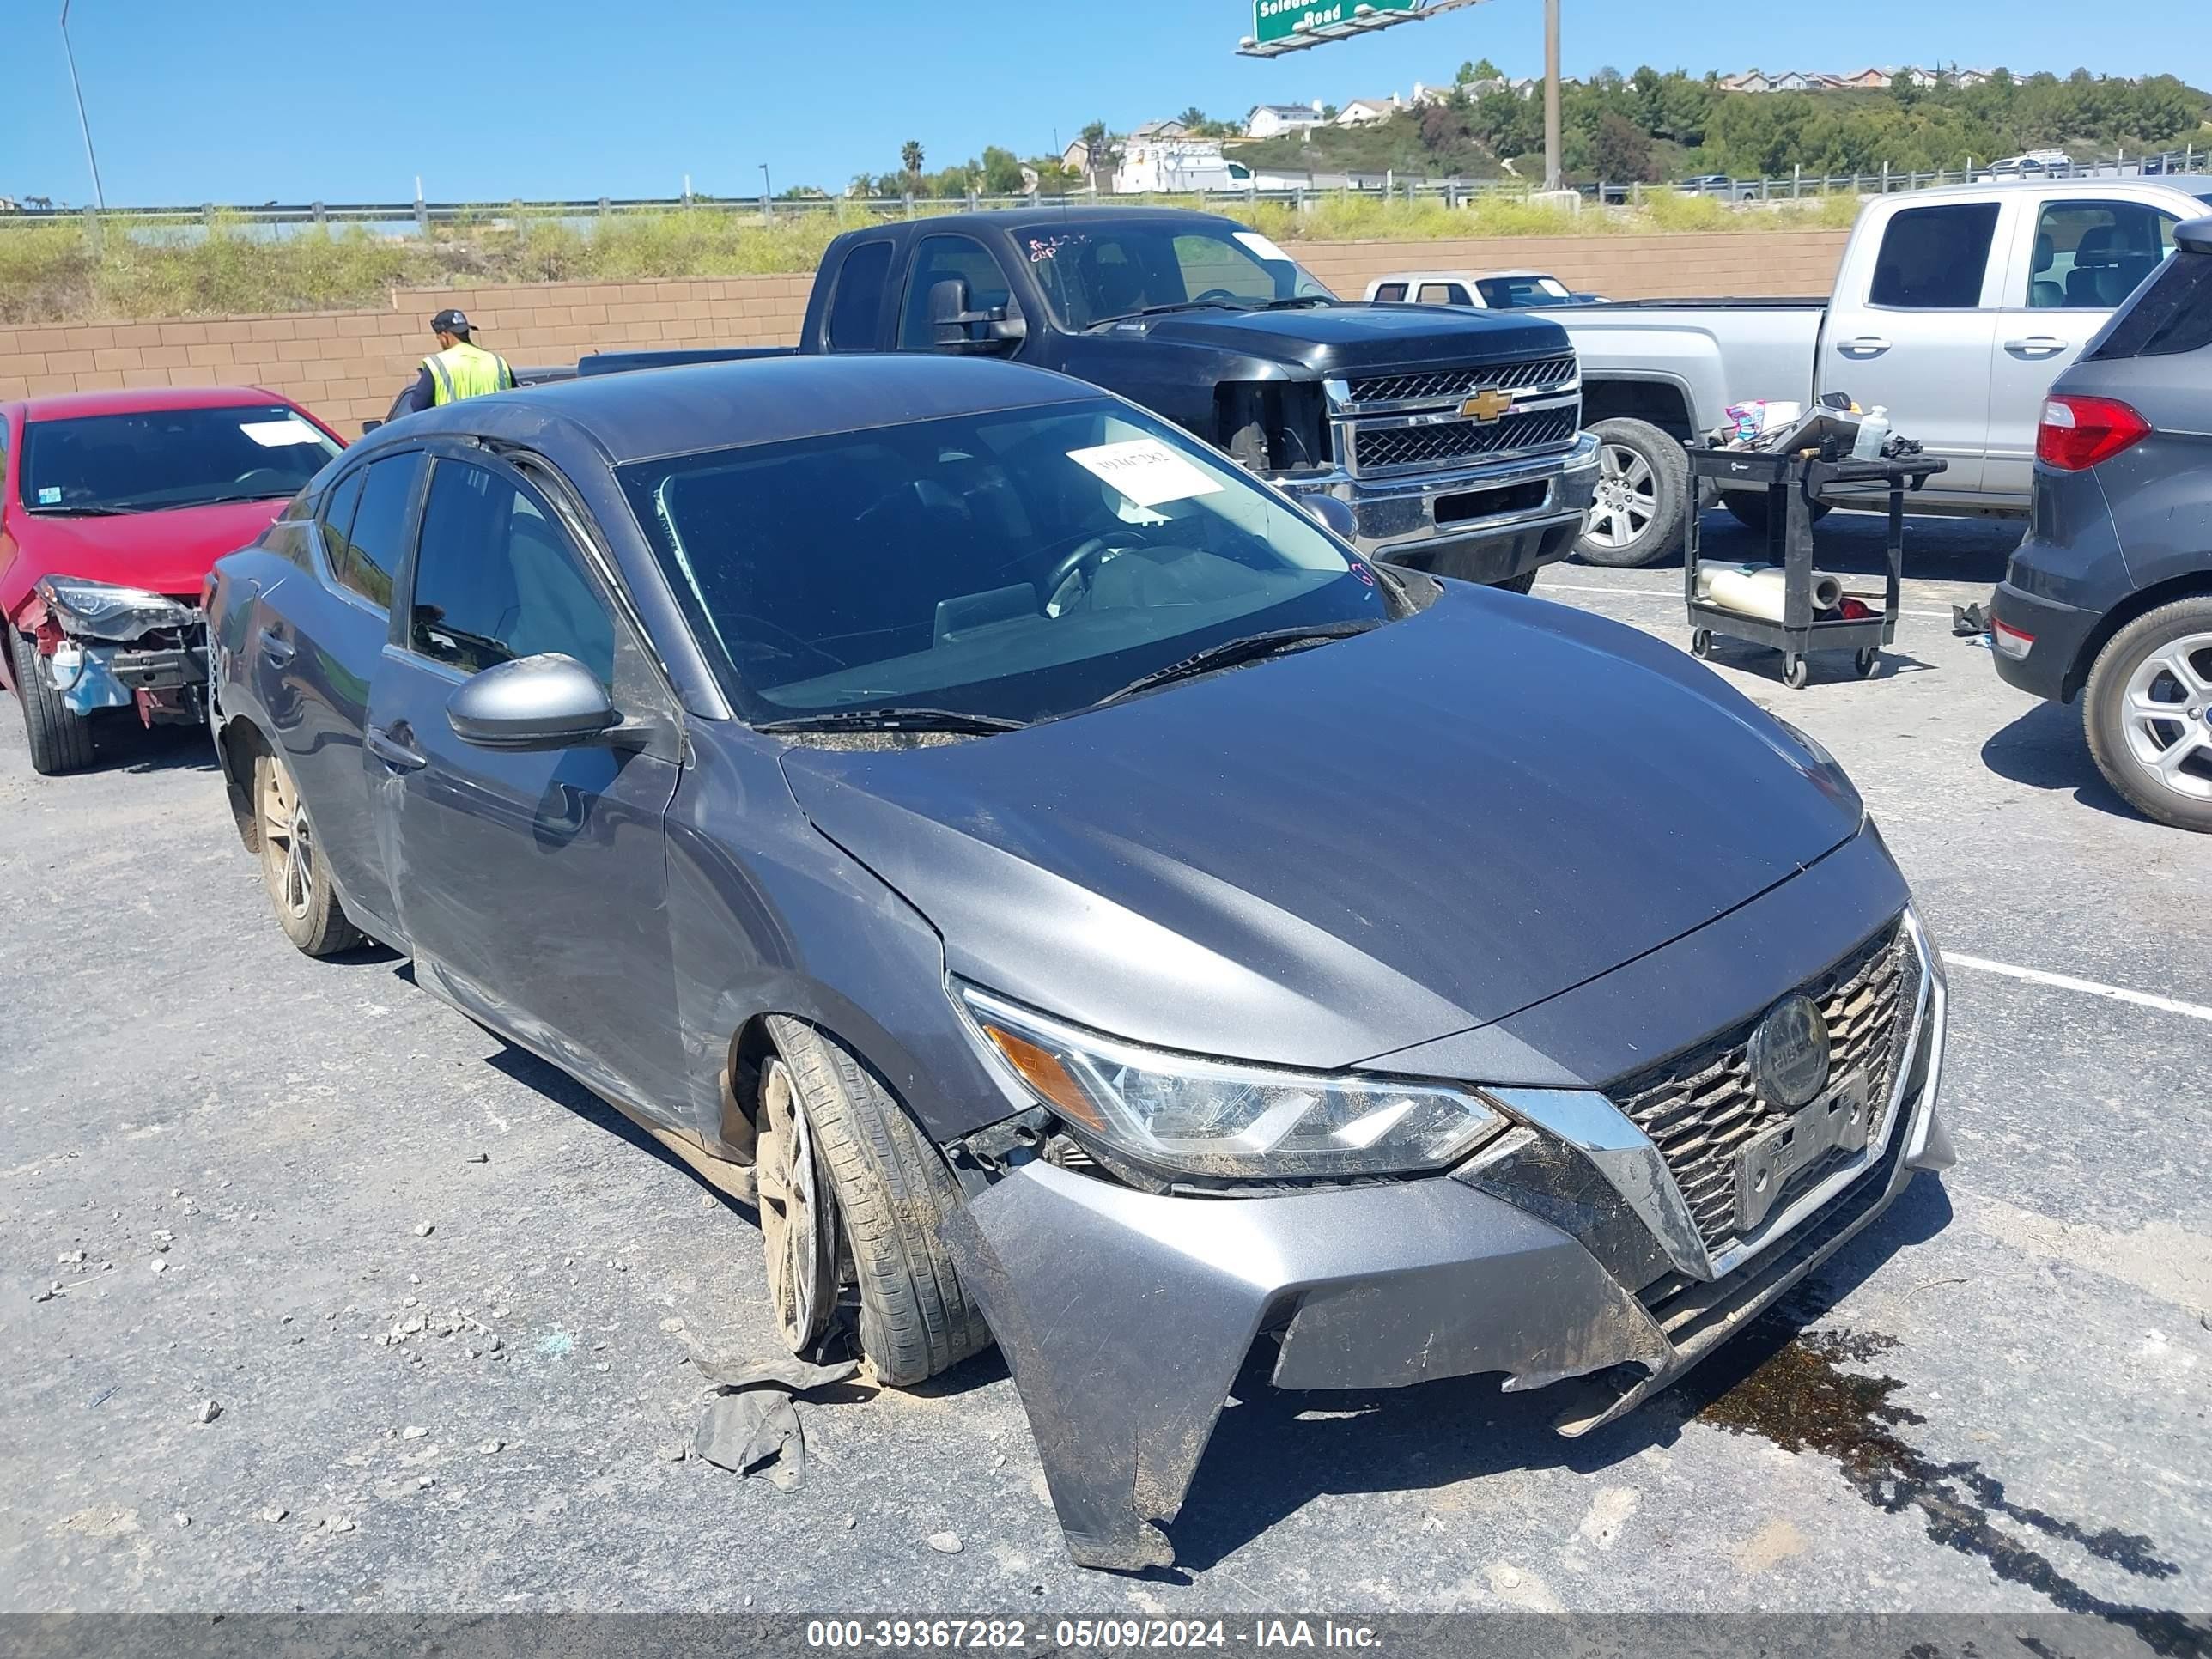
[
  {"x": 1085, "y": 903},
  {"x": 2110, "y": 596}
]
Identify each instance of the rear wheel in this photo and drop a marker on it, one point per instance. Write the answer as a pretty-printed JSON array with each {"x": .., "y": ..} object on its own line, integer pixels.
[
  {"x": 293, "y": 868},
  {"x": 879, "y": 1191},
  {"x": 1643, "y": 495},
  {"x": 1751, "y": 509},
  {"x": 2147, "y": 712},
  {"x": 59, "y": 741}
]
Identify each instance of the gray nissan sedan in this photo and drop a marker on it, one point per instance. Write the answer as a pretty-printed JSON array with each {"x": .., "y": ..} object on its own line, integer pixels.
[{"x": 1083, "y": 904}]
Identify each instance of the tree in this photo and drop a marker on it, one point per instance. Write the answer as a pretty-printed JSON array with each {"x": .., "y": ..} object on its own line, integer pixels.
[
  {"x": 1620, "y": 150},
  {"x": 1481, "y": 69},
  {"x": 1002, "y": 171},
  {"x": 911, "y": 159},
  {"x": 1192, "y": 116}
]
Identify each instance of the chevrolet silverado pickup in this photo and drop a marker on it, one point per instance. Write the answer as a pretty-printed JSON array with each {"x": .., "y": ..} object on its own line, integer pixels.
[
  {"x": 1455, "y": 438},
  {"x": 1953, "y": 309}
]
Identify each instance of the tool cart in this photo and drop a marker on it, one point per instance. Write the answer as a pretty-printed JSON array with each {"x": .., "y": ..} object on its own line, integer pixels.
[{"x": 1796, "y": 482}]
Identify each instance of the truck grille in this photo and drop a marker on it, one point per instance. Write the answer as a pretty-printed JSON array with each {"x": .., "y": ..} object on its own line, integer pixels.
[
  {"x": 1450, "y": 441},
  {"x": 1700, "y": 1109},
  {"x": 1438, "y": 385}
]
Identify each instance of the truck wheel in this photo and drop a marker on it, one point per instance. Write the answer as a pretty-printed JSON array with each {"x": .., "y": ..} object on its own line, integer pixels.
[
  {"x": 1748, "y": 508},
  {"x": 1523, "y": 583},
  {"x": 884, "y": 1190},
  {"x": 293, "y": 868},
  {"x": 2147, "y": 712},
  {"x": 1643, "y": 495},
  {"x": 59, "y": 741}
]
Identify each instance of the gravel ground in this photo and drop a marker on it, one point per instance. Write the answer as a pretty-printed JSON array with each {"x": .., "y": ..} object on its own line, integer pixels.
[{"x": 438, "y": 1297}]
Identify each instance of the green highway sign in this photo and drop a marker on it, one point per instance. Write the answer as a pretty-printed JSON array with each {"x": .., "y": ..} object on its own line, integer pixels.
[{"x": 1280, "y": 19}]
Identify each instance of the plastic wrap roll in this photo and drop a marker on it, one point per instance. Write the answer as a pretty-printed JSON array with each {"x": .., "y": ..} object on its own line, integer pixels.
[{"x": 1758, "y": 590}]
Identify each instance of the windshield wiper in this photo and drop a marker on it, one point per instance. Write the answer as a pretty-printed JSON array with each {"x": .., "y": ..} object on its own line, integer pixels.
[
  {"x": 1175, "y": 305},
  {"x": 892, "y": 720},
  {"x": 85, "y": 510},
  {"x": 251, "y": 495},
  {"x": 1229, "y": 652},
  {"x": 1302, "y": 300}
]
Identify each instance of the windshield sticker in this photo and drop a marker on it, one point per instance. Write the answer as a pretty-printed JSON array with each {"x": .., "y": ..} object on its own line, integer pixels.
[
  {"x": 275, "y": 435},
  {"x": 1145, "y": 471},
  {"x": 50, "y": 496},
  {"x": 1041, "y": 248},
  {"x": 1261, "y": 246}
]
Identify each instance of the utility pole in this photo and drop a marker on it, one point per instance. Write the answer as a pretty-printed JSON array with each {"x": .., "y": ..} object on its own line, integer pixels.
[
  {"x": 1552, "y": 179},
  {"x": 91, "y": 160},
  {"x": 767, "y": 194}
]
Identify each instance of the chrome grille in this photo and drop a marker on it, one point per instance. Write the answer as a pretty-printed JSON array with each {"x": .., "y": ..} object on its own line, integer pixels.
[
  {"x": 1438, "y": 384},
  {"x": 1448, "y": 440},
  {"x": 1700, "y": 1109}
]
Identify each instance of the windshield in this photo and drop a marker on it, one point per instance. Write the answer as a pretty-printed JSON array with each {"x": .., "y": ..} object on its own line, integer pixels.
[
  {"x": 169, "y": 457},
  {"x": 1512, "y": 293},
  {"x": 1017, "y": 565},
  {"x": 1094, "y": 274}
]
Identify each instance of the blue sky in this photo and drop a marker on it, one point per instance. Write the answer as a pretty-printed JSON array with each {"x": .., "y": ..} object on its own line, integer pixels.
[{"x": 247, "y": 101}]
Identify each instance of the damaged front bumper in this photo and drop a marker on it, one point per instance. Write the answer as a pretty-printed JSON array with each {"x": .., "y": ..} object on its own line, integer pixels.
[
  {"x": 1561, "y": 1251},
  {"x": 103, "y": 647}
]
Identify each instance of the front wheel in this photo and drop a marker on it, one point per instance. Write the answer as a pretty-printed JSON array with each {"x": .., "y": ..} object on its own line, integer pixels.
[
  {"x": 883, "y": 1191},
  {"x": 1523, "y": 583},
  {"x": 59, "y": 741},
  {"x": 1643, "y": 495},
  {"x": 2147, "y": 712}
]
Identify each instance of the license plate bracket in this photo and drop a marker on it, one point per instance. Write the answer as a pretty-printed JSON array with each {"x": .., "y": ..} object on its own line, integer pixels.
[{"x": 1840, "y": 1119}]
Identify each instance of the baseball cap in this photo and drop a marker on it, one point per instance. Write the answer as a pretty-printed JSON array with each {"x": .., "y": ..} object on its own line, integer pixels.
[{"x": 450, "y": 321}]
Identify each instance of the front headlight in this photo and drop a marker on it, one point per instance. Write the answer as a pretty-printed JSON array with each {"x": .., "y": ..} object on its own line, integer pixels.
[
  {"x": 105, "y": 612},
  {"x": 1208, "y": 1117}
]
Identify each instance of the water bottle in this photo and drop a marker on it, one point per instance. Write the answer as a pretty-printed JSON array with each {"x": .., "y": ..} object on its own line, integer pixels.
[{"x": 1874, "y": 433}]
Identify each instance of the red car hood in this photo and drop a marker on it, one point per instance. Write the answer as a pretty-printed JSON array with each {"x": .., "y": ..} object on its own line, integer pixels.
[{"x": 167, "y": 552}]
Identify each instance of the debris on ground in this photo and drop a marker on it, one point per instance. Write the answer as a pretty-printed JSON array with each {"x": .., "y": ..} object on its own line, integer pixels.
[
  {"x": 275, "y": 1512},
  {"x": 945, "y": 1543},
  {"x": 477, "y": 1158},
  {"x": 412, "y": 1433},
  {"x": 210, "y": 1409},
  {"x": 745, "y": 1432},
  {"x": 491, "y": 1446},
  {"x": 786, "y": 1372},
  {"x": 425, "y": 1229}
]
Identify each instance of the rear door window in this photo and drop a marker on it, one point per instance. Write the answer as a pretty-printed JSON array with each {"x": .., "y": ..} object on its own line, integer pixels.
[
  {"x": 1392, "y": 293},
  {"x": 858, "y": 303},
  {"x": 378, "y": 536},
  {"x": 1933, "y": 259},
  {"x": 939, "y": 259},
  {"x": 1443, "y": 294},
  {"x": 2089, "y": 256}
]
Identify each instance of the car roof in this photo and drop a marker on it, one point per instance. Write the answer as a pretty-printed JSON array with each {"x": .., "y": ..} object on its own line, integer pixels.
[
  {"x": 1002, "y": 220},
  {"x": 2061, "y": 189},
  {"x": 638, "y": 414},
  {"x": 146, "y": 400}
]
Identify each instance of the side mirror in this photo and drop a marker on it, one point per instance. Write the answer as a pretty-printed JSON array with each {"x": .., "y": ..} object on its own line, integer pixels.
[
  {"x": 955, "y": 327},
  {"x": 1332, "y": 514},
  {"x": 367, "y": 427},
  {"x": 547, "y": 702}
]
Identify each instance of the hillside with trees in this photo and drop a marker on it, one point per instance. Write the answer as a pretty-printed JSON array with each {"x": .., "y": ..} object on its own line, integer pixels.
[{"x": 1650, "y": 125}]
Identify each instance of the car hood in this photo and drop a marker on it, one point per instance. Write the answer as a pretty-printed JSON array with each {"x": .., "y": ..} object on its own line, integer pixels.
[
  {"x": 169, "y": 552},
  {"x": 1318, "y": 859},
  {"x": 1357, "y": 338}
]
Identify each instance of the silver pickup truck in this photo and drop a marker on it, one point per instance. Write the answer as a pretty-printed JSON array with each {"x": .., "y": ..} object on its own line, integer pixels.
[{"x": 1953, "y": 309}]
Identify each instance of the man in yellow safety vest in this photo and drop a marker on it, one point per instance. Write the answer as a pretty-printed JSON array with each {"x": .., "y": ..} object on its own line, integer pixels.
[{"x": 458, "y": 368}]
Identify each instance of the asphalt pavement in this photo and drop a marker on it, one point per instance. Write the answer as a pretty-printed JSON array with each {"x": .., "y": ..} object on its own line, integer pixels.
[{"x": 314, "y": 1296}]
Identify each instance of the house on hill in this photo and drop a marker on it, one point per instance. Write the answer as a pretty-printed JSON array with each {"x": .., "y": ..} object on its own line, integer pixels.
[
  {"x": 1366, "y": 112},
  {"x": 1274, "y": 120},
  {"x": 1158, "y": 132}
]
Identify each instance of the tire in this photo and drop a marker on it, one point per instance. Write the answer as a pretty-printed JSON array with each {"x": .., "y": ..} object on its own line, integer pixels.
[
  {"x": 1643, "y": 497},
  {"x": 1701, "y": 643},
  {"x": 2162, "y": 659},
  {"x": 1523, "y": 583},
  {"x": 1748, "y": 507},
  {"x": 889, "y": 1189},
  {"x": 1795, "y": 670},
  {"x": 293, "y": 869},
  {"x": 59, "y": 741}
]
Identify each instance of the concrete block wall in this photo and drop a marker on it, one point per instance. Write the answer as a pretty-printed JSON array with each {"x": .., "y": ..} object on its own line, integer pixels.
[{"x": 347, "y": 366}]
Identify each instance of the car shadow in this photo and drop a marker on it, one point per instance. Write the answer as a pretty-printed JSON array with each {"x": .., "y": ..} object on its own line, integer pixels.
[
  {"x": 126, "y": 745},
  {"x": 2044, "y": 748},
  {"x": 1828, "y": 667},
  {"x": 1274, "y": 1451},
  {"x": 1854, "y": 544}
]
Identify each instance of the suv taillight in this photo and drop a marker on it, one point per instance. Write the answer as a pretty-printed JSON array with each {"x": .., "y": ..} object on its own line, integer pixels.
[{"x": 2078, "y": 431}]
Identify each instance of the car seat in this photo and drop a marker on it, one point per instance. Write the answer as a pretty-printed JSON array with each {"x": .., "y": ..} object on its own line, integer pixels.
[
  {"x": 2044, "y": 292},
  {"x": 2087, "y": 284}
]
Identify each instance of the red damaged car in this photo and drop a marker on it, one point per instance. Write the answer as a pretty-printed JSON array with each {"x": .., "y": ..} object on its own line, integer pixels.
[{"x": 113, "y": 506}]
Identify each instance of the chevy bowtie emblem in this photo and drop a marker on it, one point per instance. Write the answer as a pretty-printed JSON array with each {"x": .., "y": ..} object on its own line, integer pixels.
[{"x": 1486, "y": 404}]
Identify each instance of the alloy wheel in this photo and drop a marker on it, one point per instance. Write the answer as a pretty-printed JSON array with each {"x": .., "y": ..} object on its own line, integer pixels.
[
  {"x": 796, "y": 1224},
  {"x": 1627, "y": 497},
  {"x": 285, "y": 831},
  {"x": 2166, "y": 715}
]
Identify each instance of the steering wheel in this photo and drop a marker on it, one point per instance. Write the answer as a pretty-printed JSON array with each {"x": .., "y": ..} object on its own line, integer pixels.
[
  {"x": 257, "y": 477},
  {"x": 1215, "y": 294},
  {"x": 1091, "y": 551}
]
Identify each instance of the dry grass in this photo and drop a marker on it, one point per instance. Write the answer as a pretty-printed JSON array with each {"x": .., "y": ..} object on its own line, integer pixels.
[{"x": 62, "y": 272}]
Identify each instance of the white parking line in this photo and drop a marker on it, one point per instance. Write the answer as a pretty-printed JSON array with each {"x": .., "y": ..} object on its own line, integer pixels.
[
  {"x": 1670, "y": 593},
  {"x": 2088, "y": 987}
]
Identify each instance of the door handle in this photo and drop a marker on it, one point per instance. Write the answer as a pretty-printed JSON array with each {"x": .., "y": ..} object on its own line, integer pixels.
[
  {"x": 387, "y": 747},
  {"x": 277, "y": 652},
  {"x": 1866, "y": 345},
  {"x": 2036, "y": 346}
]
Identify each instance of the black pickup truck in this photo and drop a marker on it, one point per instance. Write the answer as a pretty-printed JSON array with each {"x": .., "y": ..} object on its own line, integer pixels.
[{"x": 1454, "y": 437}]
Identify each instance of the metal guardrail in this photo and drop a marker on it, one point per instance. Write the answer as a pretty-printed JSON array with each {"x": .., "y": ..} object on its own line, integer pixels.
[{"x": 419, "y": 216}]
